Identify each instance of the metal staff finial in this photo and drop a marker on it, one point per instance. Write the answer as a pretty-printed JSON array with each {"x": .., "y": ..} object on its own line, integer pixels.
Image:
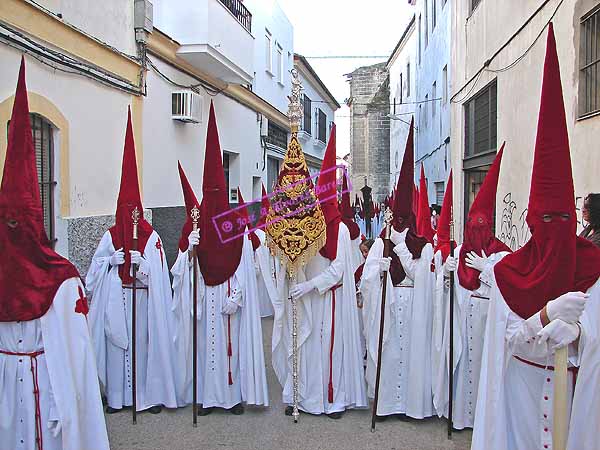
[
  {"x": 295, "y": 108},
  {"x": 195, "y": 216},
  {"x": 135, "y": 216}
]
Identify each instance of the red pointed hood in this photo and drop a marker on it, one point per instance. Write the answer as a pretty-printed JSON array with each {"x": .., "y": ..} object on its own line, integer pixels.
[
  {"x": 479, "y": 235},
  {"x": 347, "y": 211},
  {"x": 129, "y": 199},
  {"x": 218, "y": 259},
  {"x": 190, "y": 202},
  {"x": 555, "y": 260},
  {"x": 327, "y": 192},
  {"x": 424, "y": 218},
  {"x": 402, "y": 209},
  {"x": 443, "y": 230},
  {"x": 265, "y": 206},
  {"x": 31, "y": 270},
  {"x": 243, "y": 213}
]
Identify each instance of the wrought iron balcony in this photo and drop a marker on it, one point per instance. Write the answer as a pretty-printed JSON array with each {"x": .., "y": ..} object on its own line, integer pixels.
[{"x": 241, "y": 13}]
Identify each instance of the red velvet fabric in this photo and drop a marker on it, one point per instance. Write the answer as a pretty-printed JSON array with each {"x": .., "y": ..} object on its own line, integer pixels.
[
  {"x": 327, "y": 193},
  {"x": 443, "y": 230},
  {"x": 478, "y": 234},
  {"x": 190, "y": 201},
  {"x": 424, "y": 218},
  {"x": 218, "y": 259},
  {"x": 30, "y": 271},
  {"x": 403, "y": 215},
  {"x": 555, "y": 260},
  {"x": 347, "y": 211},
  {"x": 129, "y": 199}
]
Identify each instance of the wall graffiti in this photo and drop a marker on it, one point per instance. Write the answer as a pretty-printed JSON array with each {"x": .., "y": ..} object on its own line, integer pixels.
[{"x": 514, "y": 231}]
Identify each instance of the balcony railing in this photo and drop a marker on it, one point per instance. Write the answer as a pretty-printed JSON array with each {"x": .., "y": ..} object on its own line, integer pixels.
[{"x": 240, "y": 12}]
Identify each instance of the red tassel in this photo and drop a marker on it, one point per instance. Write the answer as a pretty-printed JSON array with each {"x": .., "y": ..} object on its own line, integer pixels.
[
  {"x": 230, "y": 379},
  {"x": 229, "y": 352},
  {"x": 330, "y": 393}
]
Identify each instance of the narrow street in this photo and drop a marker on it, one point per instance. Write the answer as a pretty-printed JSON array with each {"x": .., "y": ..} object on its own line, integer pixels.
[{"x": 269, "y": 428}]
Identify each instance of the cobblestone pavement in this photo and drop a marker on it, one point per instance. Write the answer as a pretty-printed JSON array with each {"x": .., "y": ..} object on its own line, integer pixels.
[{"x": 268, "y": 428}]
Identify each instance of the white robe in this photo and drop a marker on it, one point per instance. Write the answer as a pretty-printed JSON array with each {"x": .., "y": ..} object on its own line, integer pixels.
[
  {"x": 314, "y": 335},
  {"x": 66, "y": 374},
  {"x": 406, "y": 373},
  {"x": 110, "y": 322},
  {"x": 247, "y": 359},
  {"x": 585, "y": 413},
  {"x": 266, "y": 276},
  {"x": 515, "y": 398},
  {"x": 470, "y": 314}
]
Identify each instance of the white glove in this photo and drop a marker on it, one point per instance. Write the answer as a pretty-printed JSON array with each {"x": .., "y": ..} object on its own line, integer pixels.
[
  {"x": 136, "y": 257},
  {"x": 193, "y": 239},
  {"x": 117, "y": 258},
  {"x": 450, "y": 265},
  {"x": 559, "y": 333},
  {"x": 567, "y": 307},
  {"x": 384, "y": 264},
  {"x": 474, "y": 261},
  {"x": 398, "y": 237},
  {"x": 232, "y": 302},
  {"x": 301, "y": 289},
  {"x": 55, "y": 427}
]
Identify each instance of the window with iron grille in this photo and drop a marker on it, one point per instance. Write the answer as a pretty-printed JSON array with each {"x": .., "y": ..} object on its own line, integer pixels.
[
  {"x": 439, "y": 192},
  {"x": 43, "y": 143},
  {"x": 272, "y": 173},
  {"x": 322, "y": 136},
  {"x": 481, "y": 121},
  {"x": 307, "y": 114},
  {"x": 276, "y": 135},
  {"x": 44, "y": 154},
  {"x": 589, "y": 63}
]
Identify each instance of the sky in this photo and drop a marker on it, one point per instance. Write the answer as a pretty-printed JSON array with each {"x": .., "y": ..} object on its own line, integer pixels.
[{"x": 345, "y": 27}]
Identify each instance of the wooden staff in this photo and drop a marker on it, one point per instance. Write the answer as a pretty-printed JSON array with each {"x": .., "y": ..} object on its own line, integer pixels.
[
  {"x": 135, "y": 216},
  {"x": 451, "y": 349},
  {"x": 559, "y": 407},
  {"x": 195, "y": 215},
  {"x": 386, "y": 253}
]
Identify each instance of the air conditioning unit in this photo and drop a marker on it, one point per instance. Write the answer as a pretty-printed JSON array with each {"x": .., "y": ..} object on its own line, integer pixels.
[
  {"x": 264, "y": 127},
  {"x": 186, "y": 106}
]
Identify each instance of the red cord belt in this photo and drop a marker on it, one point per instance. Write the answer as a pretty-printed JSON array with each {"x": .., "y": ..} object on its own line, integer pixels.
[
  {"x": 36, "y": 391},
  {"x": 573, "y": 370}
]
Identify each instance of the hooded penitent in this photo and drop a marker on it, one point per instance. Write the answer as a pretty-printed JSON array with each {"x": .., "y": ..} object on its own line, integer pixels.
[
  {"x": 218, "y": 257},
  {"x": 30, "y": 271},
  {"x": 327, "y": 193},
  {"x": 443, "y": 230},
  {"x": 347, "y": 211},
  {"x": 245, "y": 217},
  {"x": 129, "y": 199},
  {"x": 479, "y": 235},
  {"x": 190, "y": 202},
  {"x": 555, "y": 260},
  {"x": 424, "y": 218},
  {"x": 403, "y": 215}
]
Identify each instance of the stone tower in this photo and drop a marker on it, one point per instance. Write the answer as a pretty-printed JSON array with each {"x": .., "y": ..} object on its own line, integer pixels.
[{"x": 370, "y": 129}]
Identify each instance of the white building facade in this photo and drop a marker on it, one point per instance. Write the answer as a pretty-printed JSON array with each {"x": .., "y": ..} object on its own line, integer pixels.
[
  {"x": 432, "y": 139},
  {"x": 496, "y": 97},
  {"x": 167, "y": 63},
  {"x": 402, "y": 68}
]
